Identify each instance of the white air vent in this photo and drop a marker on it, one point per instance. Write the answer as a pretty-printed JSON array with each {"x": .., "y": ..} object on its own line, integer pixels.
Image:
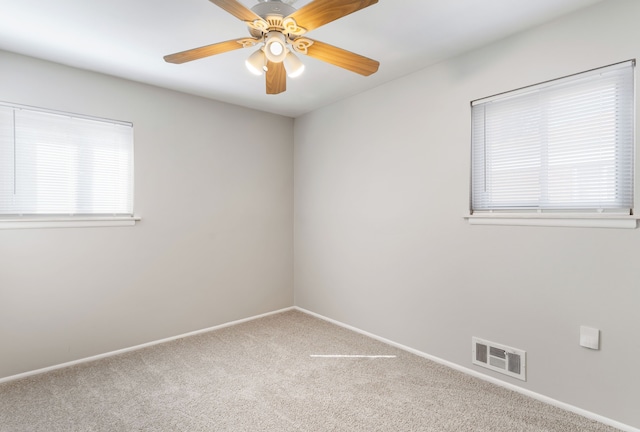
[{"x": 500, "y": 358}]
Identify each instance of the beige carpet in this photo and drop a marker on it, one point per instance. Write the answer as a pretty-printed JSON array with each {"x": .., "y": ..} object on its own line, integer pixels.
[{"x": 264, "y": 376}]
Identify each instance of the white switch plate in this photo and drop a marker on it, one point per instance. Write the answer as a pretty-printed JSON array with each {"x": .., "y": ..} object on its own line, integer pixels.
[{"x": 589, "y": 337}]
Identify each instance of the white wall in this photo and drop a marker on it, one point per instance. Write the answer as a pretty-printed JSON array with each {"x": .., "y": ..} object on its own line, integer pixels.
[
  {"x": 381, "y": 188},
  {"x": 214, "y": 245}
]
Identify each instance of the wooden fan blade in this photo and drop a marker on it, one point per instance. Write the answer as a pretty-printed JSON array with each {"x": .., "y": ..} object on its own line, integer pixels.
[
  {"x": 207, "y": 51},
  {"x": 276, "y": 78},
  {"x": 237, "y": 9},
  {"x": 321, "y": 12},
  {"x": 343, "y": 58}
]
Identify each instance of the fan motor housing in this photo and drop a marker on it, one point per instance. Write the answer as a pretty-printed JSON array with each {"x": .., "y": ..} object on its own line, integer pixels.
[
  {"x": 273, "y": 8},
  {"x": 272, "y": 12}
]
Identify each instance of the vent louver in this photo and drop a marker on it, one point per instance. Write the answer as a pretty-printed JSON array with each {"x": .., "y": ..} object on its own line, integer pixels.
[
  {"x": 500, "y": 358},
  {"x": 481, "y": 353},
  {"x": 514, "y": 363}
]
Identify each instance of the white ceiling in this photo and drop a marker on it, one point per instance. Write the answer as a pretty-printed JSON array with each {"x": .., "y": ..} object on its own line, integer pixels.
[{"x": 128, "y": 38}]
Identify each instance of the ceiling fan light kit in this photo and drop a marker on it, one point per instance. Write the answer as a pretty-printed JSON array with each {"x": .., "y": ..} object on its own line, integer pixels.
[
  {"x": 279, "y": 27},
  {"x": 275, "y": 46},
  {"x": 256, "y": 63},
  {"x": 293, "y": 65}
]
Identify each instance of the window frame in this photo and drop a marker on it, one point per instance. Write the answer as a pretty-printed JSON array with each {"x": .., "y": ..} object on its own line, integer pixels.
[
  {"x": 560, "y": 216},
  {"x": 21, "y": 220}
]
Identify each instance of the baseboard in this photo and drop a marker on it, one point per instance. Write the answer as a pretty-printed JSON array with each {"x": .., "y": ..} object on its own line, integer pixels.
[
  {"x": 562, "y": 405},
  {"x": 137, "y": 347}
]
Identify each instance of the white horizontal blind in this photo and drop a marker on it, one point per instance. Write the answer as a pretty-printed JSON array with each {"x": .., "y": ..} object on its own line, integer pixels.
[
  {"x": 59, "y": 164},
  {"x": 567, "y": 145}
]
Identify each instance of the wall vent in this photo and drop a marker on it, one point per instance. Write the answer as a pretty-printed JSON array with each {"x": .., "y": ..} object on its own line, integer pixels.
[{"x": 500, "y": 358}]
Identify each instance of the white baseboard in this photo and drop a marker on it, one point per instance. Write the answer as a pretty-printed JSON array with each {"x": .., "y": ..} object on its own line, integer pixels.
[
  {"x": 567, "y": 407},
  {"x": 136, "y": 347},
  {"x": 588, "y": 414}
]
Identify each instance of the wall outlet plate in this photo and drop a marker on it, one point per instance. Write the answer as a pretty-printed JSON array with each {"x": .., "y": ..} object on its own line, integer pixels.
[{"x": 589, "y": 337}]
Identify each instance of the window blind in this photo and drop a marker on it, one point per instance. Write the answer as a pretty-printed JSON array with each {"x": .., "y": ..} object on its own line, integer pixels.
[
  {"x": 565, "y": 145},
  {"x": 53, "y": 163}
]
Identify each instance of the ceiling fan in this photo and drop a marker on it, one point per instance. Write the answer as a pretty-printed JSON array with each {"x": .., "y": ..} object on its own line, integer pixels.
[{"x": 279, "y": 29}]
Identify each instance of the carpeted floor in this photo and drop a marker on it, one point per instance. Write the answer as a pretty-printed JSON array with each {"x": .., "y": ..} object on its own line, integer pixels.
[{"x": 272, "y": 374}]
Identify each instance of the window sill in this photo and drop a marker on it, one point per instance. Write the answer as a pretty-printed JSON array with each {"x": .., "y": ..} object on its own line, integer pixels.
[
  {"x": 556, "y": 220},
  {"x": 68, "y": 222}
]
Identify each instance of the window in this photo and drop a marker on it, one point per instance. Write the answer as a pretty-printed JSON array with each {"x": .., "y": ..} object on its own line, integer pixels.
[
  {"x": 55, "y": 164},
  {"x": 565, "y": 146}
]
